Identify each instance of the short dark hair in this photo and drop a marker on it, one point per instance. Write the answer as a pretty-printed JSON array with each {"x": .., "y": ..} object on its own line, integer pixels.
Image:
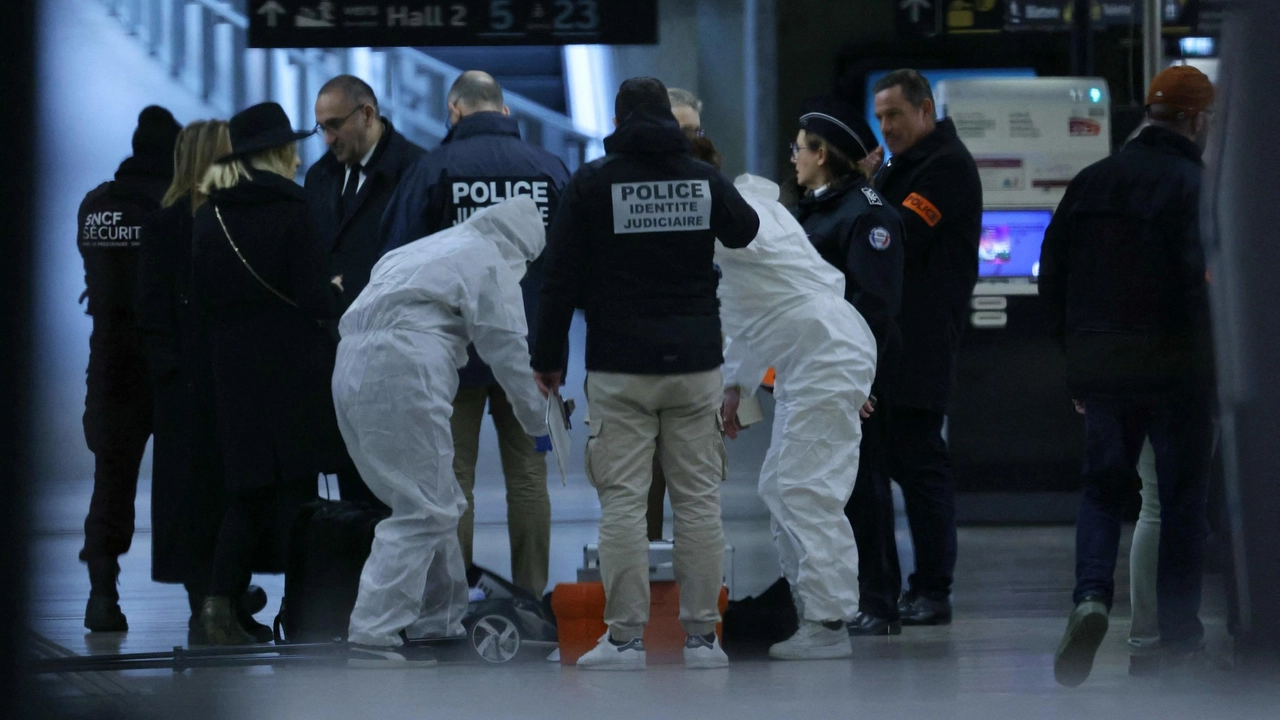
[
  {"x": 915, "y": 87},
  {"x": 476, "y": 89},
  {"x": 639, "y": 91},
  {"x": 355, "y": 90}
]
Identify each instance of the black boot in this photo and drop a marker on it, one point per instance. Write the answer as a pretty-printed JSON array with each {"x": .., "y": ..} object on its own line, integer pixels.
[
  {"x": 221, "y": 625},
  {"x": 254, "y": 600},
  {"x": 864, "y": 624},
  {"x": 261, "y": 633},
  {"x": 920, "y": 610},
  {"x": 103, "y": 614}
]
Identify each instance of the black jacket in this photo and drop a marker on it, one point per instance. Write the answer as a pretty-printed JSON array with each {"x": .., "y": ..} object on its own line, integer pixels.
[
  {"x": 936, "y": 189},
  {"x": 351, "y": 235},
  {"x": 110, "y": 226},
  {"x": 633, "y": 243},
  {"x": 272, "y": 362},
  {"x": 1123, "y": 271},
  {"x": 481, "y": 162},
  {"x": 855, "y": 231},
  {"x": 186, "y": 477}
]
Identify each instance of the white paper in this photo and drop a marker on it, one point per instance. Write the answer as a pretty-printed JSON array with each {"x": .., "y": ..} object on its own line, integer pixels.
[{"x": 558, "y": 426}]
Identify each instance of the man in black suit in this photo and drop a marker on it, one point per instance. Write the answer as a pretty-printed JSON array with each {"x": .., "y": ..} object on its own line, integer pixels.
[{"x": 348, "y": 191}]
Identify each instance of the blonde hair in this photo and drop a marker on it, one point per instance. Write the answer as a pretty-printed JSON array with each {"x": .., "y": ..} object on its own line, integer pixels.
[
  {"x": 282, "y": 160},
  {"x": 183, "y": 163},
  {"x": 199, "y": 145}
]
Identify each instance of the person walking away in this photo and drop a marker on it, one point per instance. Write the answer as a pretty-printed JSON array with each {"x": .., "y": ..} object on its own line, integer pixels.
[
  {"x": 783, "y": 306},
  {"x": 348, "y": 190},
  {"x": 633, "y": 243},
  {"x": 856, "y": 232},
  {"x": 932, "y": 181},
  {"x": 186, "y": 474},
  {"x": 687, "y": 109},
  {"x": 481, "y": 162},
  {"x": 1122, "y": 273},
  {"x": 117, "y": 408},
  {"x": 402, "y": 342},
  {"x": 261, "y": 279}
]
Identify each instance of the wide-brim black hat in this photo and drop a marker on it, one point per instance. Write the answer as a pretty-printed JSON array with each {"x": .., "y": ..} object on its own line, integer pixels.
[{"x": 261, "y": 127}]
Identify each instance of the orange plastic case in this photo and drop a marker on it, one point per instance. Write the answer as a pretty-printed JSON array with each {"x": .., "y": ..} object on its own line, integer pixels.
[{"x": 579, "y": 609}]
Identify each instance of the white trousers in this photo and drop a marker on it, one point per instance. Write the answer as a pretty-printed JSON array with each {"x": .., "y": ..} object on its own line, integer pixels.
[
  {"x": 393, "y": 410},
  {"x": 807, "y": 478}
]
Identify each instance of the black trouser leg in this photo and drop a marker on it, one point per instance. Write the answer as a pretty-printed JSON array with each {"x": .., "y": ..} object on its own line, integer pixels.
[
  {"x": 870, "y": 512},
  {"x": 253, "y": 516},
  {"x": 922, "y": 467},
  {"x": 1181, "y": 432},
  {"x": 117, "y": 424}
]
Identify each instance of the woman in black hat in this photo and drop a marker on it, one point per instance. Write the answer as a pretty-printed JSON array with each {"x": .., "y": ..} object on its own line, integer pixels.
[
  {"x": 853, "y": 229},
  {"x": 259, "y": 276}
]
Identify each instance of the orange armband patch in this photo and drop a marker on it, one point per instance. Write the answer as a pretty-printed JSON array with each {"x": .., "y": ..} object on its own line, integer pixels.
[{"x": 917, "y": 204}]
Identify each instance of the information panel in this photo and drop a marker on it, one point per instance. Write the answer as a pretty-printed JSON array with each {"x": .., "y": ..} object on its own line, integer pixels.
[{"x": 395, "y": 23}]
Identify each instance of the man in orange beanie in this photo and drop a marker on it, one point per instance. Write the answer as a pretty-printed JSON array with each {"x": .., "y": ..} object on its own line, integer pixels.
[{"x": 1123, "y": 272}]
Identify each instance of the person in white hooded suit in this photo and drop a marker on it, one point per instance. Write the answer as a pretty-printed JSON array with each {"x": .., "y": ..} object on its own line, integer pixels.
[
  {"x": 403, "y": 341},
  {"x": 783, "y": 306}
]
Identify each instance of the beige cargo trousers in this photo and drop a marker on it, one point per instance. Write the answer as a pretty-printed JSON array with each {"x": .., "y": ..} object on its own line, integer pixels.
[{"x": 678, "y": 417}]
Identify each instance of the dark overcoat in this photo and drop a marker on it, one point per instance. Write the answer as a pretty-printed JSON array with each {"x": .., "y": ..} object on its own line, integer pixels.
[{"x": 272, "y": 356}]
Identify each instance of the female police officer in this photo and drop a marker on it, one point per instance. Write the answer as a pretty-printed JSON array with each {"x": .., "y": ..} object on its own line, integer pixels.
[{"x": 854, "y": 230}]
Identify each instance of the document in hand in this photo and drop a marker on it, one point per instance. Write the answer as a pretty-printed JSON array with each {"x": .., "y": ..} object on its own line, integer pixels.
[{"x": 558, "y": 426}]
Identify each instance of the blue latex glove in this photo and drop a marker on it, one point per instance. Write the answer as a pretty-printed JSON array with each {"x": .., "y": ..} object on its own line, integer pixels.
[{"x": 542, "y": 443}]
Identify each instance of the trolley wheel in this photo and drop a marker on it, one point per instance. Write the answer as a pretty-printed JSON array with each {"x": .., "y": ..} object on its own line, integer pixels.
[{"x": 495, "y": 638}]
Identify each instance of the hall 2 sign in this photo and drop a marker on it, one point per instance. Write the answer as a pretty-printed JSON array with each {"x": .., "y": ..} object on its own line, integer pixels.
[{"x": 395, "y": 23}]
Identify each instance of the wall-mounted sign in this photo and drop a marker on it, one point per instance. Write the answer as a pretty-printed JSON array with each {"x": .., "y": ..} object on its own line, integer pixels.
[
  {"x": 974, "y": 16},
  {"x": 1041, "y": 14},
  {"x": 394, "y": 23}
]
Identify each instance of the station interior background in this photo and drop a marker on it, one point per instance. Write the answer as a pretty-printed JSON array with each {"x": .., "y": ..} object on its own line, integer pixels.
[{"x": 751, "y": 62}]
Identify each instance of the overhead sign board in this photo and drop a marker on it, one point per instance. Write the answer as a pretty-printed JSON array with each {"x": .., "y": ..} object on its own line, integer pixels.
[
  {"x": 1041, "y": 14},
  {"x": 974, "y": 16},
  {"x": 395, "y": 23}
]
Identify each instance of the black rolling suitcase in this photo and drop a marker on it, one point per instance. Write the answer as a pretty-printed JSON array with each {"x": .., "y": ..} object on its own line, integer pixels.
[{"x": 327, "y": 550}]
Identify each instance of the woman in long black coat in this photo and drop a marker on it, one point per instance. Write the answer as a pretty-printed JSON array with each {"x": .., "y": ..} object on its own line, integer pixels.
[
  {"x": 186, "y": 478},
  {"x": 260, "y": 280}
]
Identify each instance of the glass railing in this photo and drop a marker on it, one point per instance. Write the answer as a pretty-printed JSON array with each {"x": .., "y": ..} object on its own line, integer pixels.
[{"x": 203, "y": 46}]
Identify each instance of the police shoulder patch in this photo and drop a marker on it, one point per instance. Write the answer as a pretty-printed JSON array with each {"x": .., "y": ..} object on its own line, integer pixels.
[
  {"x": 872, "y": 197},
  {"x": 880, "y": 238}
]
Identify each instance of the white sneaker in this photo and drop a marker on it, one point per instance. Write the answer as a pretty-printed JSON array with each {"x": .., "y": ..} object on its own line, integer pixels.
[
  {"x": 701, "y": 654},
  {"x": 814, "y": 641},
  {"x": 369, "y": 657},
  {"x": 607, "y": 656}
]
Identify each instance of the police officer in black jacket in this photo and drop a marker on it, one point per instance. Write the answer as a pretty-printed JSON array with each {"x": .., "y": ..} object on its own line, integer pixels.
[
  {"x": 933, "y": 182},
  {"x": 632, "y": 243},
  {"x": 117, "y": 416},
  {"x": 348, "y": 191},
  {"x": 854, "y": 230},
  {"x": 481, "y": 162},
  {"x": 1122, "y": 271}
]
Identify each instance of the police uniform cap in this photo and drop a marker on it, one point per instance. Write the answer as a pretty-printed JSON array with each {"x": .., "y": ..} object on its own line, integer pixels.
[{"x": 839, "y": 123}]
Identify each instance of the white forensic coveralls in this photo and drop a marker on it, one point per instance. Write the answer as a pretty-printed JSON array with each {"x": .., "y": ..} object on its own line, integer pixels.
[
  {"x": 403, "y": 341},
  {"x": 783, "y": 306}
]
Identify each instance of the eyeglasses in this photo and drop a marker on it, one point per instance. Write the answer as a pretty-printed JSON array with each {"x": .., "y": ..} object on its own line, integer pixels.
[
  {"x": 333, "y": 125},
  {"x": 795, "y": 149}
]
